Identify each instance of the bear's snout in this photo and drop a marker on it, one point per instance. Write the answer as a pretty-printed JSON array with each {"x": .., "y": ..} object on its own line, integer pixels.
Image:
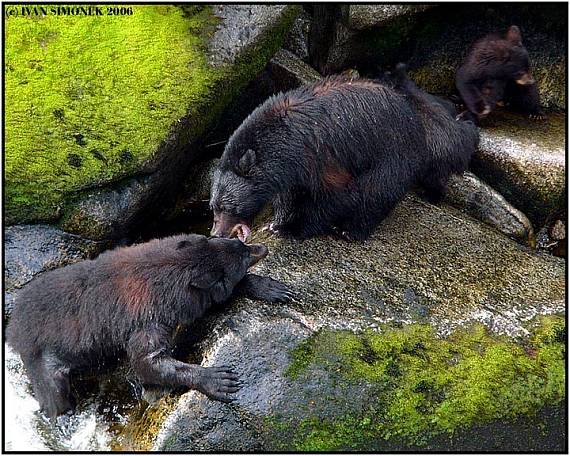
[
  {"x": 525, "y": 79},
  {"x": 257, "y": 253},
  {"x": 229, "y": 226}
]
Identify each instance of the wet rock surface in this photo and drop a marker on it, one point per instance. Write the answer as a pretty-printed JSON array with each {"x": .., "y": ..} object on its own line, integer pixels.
[
  {"x": 525, "y": 161},
  {"x": 424, "y": 264},
  {"x": 366, "y": 37},
  {"x": 291, "y": 71},
  {"x": 366, "y": 16},
  {"x": 297, "y": 39},
  {"x": 242, "y": 27},
  {"x": 109, "y": 213},
  {"x": 472, "y": 196},
  {"x": 32, "y": 249}
]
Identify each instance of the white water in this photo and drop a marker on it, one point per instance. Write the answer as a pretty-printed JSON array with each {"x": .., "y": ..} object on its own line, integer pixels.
[{"x": 27, "y": 430}]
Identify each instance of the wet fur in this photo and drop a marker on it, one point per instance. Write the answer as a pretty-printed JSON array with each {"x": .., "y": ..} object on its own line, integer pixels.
[
  {"x": 128, "y": 303},
  {"x": 336, "y": 155},
  {"x": 450, "y": 142}
]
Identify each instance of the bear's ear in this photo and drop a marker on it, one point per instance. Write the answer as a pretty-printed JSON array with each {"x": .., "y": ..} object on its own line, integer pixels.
[
  {"x": 247, "y": 162},
  {"x": 514, "y": 35}
]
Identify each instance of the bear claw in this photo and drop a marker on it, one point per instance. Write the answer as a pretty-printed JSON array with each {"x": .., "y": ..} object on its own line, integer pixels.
[
  {"x": 539, "y": 116},
  {"x": 218, "y": 383}
]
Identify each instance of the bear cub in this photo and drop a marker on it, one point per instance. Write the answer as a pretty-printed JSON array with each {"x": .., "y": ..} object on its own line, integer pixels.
[
  {"x": 497, "y": 70},
  {"x": 127, "y": 303},
  {"x": 336, "y": 156}
]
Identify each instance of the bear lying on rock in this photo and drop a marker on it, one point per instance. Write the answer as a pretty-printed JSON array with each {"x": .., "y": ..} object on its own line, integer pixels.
[
  {"x": 497, "y": 70},
  {"x": 336, "y": 156},
  {"x": 128, "y": 302}
]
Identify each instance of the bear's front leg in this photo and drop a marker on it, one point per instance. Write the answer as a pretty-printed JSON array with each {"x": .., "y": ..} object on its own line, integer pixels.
[
  {"x": 285, "y": 212},
  {"x": 263, "y": 289},
  {"x": 473, "y": 98},
  {"x": 148, "y": 350},
  {"x": 525, "y": 98}
]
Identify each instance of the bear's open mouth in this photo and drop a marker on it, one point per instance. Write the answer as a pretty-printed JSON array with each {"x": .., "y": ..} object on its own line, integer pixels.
[{"x": 241, "y": 231}]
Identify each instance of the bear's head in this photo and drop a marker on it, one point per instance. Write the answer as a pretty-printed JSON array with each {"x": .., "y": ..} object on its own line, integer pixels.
[
  {"x": 213, "y": 261},
  {"x": 516, "y": 61},
  {"x": 249, "y": 175}
]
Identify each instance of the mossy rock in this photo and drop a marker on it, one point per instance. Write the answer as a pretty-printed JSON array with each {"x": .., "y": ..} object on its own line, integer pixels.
[
  {"x": 422, "y": 389},
  {"x": 93, "y": 100},
  {"x": 431, "y": 271},
  {"x": 394, "y": 388}
]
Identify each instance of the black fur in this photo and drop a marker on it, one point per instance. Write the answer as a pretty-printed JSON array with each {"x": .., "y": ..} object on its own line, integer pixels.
[
  {"x": 489, "y": 74},
  {"x": 450, "y": 142},
  {"x": 336, "y": 155},
  {"x": 128, "y": 302}
]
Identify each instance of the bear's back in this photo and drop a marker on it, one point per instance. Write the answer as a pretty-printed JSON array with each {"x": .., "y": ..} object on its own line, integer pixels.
[{"x": 357, "y": 121}]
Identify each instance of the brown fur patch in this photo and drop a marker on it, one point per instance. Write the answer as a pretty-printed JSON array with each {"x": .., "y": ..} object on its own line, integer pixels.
[
  {"x": 133, "y": 292},
  {"x": 283, "y": 105},
  {"x": 336, "y": 177},
  {"x": 73, "y": 327},
  {"x": 327, "y": 85}
]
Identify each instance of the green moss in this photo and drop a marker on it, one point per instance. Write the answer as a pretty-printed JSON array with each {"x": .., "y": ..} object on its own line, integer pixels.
[
  {"x": 89, "y": 99},
  {"x": 425, "y": 387}
]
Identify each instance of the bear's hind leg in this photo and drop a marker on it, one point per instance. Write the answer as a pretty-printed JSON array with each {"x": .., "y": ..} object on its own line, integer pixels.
[{"x": 49, "y": 377}]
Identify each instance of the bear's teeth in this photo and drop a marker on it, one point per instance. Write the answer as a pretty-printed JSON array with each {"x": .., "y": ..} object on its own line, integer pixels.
[{"x": 243, "y": 232}]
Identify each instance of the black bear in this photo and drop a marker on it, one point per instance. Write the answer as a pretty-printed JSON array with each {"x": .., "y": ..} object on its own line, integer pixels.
[
  {"x": 129, "y": 301},
  {"x": 335, "y": 156},
  {"x": 497, "y": 69}
]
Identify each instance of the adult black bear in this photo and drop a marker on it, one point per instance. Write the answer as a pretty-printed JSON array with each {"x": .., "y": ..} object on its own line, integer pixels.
[
  {"x": 498, "y": 69},
  {"x": 334, "y": 156},
  {"x": 129, "y": 301}
]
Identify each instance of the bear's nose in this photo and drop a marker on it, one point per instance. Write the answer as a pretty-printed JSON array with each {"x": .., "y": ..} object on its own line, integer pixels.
[
  {"x": 215, "y": 231},
  {"x": 257, "y": 252}
]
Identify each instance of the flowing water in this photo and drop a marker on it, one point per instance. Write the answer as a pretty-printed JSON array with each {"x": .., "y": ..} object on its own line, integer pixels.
[{"x": 105, "y": 408}]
